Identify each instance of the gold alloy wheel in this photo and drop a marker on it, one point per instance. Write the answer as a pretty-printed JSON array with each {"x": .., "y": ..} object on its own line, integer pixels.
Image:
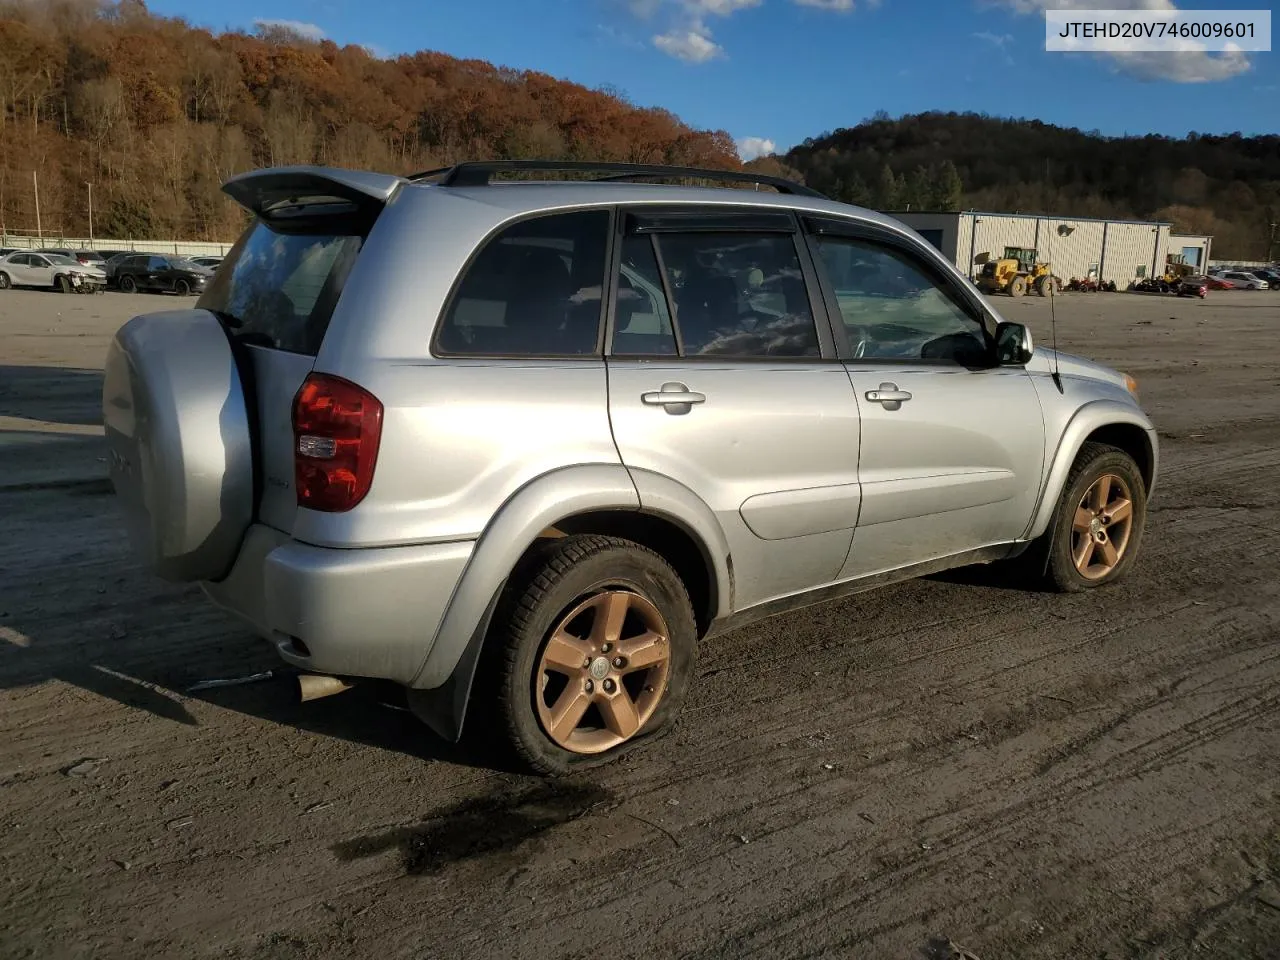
[
  {"x": 1102, "y": 526},
  {"x": 603, "y": 671}
]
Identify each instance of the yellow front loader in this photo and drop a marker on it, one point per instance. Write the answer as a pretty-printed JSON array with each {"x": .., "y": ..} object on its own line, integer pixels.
[{"x": 1017, "y": 272}]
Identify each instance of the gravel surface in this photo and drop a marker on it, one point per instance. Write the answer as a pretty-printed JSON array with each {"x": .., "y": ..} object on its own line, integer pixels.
[{"x": 946, "y": 762}]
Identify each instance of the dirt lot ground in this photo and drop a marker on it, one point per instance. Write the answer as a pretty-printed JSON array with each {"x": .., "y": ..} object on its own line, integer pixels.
[{"x": 1025, "y": 774}]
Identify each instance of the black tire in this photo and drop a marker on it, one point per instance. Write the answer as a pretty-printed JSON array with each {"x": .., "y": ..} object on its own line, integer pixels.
[
  {"x": 1043, "y": 285},
  {"x": 182, "y": 288},
  {"x": 128, "y": 284},
  {"x": 5, "y": 282},
  {"x": 1017, "y": 286},
  {"x": 63, "y": 283},
  {"x": 1094, "y": 461},
  {"x": 554, "y": 578}
]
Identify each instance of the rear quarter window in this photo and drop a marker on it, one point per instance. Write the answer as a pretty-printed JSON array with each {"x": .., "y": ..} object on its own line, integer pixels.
[{"x": 278, "y": 288}]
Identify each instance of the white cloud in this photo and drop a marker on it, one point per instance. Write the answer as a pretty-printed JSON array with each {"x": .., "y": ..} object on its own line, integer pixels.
[
  {"x": 693, "y": 44},
  {"x": 749, "y": 148},
  {"x": 843, "y": 6},
  {"x": 1185, "y": 66},
  {"x": 303, "y": 29},
  {"x": 999, "y": 39},
  {"x": 689, "y": 38},
  {"x": 719, "y": 8},
  {"x": 1175, "y": 66},
  {"x": 377, "y": 52}
]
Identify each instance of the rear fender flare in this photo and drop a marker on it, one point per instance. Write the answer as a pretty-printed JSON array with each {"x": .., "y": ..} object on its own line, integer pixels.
[
  {"x": 440, "y": 692},
  {"x": 666, "y": 498},
  {"x": 529, "y": 511},
  {"x": 1090, "y": 417}
]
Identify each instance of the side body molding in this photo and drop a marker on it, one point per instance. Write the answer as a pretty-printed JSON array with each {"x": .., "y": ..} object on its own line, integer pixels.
[{"x": 1088, "y": 418}]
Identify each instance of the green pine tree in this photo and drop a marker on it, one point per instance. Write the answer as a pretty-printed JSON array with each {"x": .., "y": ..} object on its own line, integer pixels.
[
  {"x": 888, "y": 190},
  {"x": 948, "y": 188}
]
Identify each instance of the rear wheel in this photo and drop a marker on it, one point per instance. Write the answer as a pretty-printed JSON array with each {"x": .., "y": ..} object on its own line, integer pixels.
[
  {"x": 128, "y": 284},
  {"x": 1017, "y": 286},
  {"x": 591, "y": 652},
  {"x": 5, "y": 282},
  {"x": 1097, "y": 529}
]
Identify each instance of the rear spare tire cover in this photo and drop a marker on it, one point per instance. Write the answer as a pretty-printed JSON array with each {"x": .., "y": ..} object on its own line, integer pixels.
[{"x": 180, "y": 449}]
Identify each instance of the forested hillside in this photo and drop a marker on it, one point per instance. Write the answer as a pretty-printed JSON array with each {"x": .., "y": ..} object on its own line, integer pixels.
[
  {"x": 156, "y": 114},
  {"x": 1228, "y": 186}
]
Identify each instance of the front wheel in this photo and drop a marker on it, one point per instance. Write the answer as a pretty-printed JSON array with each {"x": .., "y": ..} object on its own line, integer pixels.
[
  {"x": 1098, "y": 527},
  {"x": 1017, "y": 287},
  {"x": 591, "y": 651},
  {"x": 5, "y": 282},
  {"x": 182, "y": 288},
  {"x": 63, "y": 283}
]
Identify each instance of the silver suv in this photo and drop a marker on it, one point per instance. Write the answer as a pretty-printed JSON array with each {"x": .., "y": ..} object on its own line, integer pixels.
[{"x": 521, "y": 445}]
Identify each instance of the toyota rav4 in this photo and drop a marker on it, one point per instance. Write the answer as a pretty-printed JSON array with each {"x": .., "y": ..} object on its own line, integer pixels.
[{"x": 520, "y": 446}]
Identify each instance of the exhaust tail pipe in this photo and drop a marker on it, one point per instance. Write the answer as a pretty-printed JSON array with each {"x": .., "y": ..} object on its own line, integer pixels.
[{"x": 313, "y": 686}]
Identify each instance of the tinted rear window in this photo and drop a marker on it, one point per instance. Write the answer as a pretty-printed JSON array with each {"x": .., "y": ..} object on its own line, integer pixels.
[{"x": 278, "y": 289}]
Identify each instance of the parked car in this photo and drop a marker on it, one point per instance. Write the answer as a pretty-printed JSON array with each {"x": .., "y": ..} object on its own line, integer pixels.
[
  {"x": 1218, "y": 283},
  {"x": 521, "y": 448},
  {"x": 1194, "y": 286},
  {"x": 51, "y": 270},
  {"x": 149, "y": 272},
  {"x": 1245, "y": 281},
  {"x": 113, "y": 262},
  {"x": 1271, "y": 277}
]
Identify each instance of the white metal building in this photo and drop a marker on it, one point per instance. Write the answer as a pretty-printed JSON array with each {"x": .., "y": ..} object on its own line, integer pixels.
[
  {"x": 1118, "y": 250},
  {"x": 1194, "y": 248}
]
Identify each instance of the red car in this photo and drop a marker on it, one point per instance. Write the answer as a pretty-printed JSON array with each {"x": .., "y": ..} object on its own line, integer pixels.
[{"x": 1217, "y": 283}]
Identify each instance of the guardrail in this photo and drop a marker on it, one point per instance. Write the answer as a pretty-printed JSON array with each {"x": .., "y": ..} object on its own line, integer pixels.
[{"x": 188, "y": 248}]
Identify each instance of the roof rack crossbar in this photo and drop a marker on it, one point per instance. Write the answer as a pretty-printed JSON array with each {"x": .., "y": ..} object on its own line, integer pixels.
[{"x": 477, "y": 173}]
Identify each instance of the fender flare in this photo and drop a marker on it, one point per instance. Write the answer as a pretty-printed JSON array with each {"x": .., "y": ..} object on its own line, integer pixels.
[
  {"x": 518, "y": 522},
  {"x": 440, "y": 691},
  {"x": 673, "y": 501},
  {"x": 1088, "y": 418}
]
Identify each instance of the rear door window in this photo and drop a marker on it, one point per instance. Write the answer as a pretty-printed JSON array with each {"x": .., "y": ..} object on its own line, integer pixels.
[
  {"x": 533, "y": 290},
  {"x": 278, "y": 289}
]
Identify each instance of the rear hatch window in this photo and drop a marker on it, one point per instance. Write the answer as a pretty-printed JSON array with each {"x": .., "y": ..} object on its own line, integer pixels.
[{"x": 278, "y": 287}]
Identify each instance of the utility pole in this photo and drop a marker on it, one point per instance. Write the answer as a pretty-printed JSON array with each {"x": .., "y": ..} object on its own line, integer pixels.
[
  {"x": 90, "y": 186},
  {"x": 35, "y": 182},
  {"x": 1271, "y": 242}
]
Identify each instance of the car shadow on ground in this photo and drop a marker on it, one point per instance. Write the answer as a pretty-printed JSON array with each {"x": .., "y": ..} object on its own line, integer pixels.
[{"x": 66, "y": 395}]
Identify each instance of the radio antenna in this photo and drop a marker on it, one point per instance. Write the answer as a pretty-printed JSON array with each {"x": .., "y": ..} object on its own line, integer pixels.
[{"x": 1055, "y": 373}]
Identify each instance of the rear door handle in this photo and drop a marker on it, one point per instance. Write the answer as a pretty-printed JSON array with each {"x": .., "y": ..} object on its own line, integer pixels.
[
  {"x": 889, "y": 395},
  {"x": 675, "y": 397}
]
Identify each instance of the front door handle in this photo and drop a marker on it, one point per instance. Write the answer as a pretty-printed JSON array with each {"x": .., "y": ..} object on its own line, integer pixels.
[
  {"x": 674, "y": 397},
  {"x": 889, "y": 395}
]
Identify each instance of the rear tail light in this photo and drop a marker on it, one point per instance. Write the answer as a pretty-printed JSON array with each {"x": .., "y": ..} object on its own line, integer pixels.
[{"x": 337, "y": 427}]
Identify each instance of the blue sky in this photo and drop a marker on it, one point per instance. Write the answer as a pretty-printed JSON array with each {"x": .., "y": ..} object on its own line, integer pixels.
[{"x": 772, "y": 72}]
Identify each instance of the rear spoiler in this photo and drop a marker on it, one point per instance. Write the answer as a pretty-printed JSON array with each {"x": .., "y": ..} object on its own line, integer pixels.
[{"x": 282, "y": 193}]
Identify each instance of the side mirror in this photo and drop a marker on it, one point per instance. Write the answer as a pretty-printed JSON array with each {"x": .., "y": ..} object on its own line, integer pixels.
[{"x": 1013, "y": 344}]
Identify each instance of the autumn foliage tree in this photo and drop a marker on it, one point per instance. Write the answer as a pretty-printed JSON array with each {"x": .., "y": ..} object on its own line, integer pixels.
[{"x": 157, "y": 114}]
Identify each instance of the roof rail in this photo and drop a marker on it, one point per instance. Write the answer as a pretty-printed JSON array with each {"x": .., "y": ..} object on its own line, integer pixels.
[{"x": 477, "y": 173}]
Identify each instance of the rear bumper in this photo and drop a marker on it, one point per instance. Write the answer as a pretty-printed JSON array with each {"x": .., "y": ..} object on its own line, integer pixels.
[{"x": 363, "y": 613}]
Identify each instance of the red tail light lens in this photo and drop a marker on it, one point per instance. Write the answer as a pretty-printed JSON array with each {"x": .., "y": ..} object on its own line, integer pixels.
[{"x": 337, "y": 427}]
